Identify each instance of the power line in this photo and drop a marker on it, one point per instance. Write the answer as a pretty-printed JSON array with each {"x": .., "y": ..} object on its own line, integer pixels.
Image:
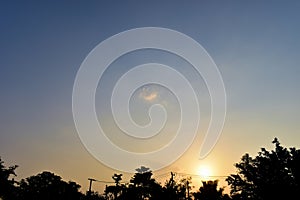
[
  {"x": 197, "y": 175},
  {"x": 192, "y": 175},
  {"x": 155, "y": 177},
  {"x": 99, "y": 181}
]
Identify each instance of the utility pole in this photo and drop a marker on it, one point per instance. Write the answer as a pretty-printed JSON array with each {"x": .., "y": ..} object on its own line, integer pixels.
[
  {"x": 172, "y": 179},
  {"x": 90, "y": 188},
  {"x": 188, "y": 189}
]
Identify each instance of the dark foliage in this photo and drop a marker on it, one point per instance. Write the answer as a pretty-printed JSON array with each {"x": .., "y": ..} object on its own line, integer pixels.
[
  {"x": 270, "y": 175},
  {"x": 48, "y": 186},
  {"x": 174, "y": 190},
  {"x": 210, "y": 191},
  {"x": 142, "y": 186},
  {"x": 8, "y": 189}
]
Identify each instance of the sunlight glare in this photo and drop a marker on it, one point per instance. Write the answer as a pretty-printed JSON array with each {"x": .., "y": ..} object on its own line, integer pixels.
[{"x": 204, "y": 172}]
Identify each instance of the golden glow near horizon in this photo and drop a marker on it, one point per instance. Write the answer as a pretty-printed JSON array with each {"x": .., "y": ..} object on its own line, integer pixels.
[{"x": 204, "y": 171}]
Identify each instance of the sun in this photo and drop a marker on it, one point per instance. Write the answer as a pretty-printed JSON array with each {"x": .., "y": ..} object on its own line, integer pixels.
[{"x": 204, "y": 172}]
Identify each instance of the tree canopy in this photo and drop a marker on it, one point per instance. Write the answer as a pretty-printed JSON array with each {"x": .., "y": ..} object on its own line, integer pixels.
[
  {"x": 210, "y": 191},
  {"x": 270, "y": 175},
  {"x": 48, "y": 186}
]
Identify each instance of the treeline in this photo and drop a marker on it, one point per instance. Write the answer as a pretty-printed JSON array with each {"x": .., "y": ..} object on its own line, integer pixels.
[{"x": 271, "y": 174}]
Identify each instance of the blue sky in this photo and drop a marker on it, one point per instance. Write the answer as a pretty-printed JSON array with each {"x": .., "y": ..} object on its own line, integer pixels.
[{"x": 42, "y": 45}]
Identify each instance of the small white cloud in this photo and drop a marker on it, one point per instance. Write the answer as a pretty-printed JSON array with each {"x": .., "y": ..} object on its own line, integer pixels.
[
  {"x": 150, "y": 97},
  {"x": 148, "y": 94}
]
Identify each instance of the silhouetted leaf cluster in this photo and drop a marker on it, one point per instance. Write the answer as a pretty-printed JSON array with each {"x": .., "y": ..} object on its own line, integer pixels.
[{"x": 210, "y": 191}]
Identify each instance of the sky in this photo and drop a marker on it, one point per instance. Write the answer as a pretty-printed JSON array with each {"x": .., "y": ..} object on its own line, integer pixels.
[{"x": 254, "y": 44}]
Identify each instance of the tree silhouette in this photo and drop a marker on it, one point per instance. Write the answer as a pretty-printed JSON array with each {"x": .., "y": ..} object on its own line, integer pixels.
[
  {"x": 270, "y": 175},
  {"x": 48, "y": 186},
  {"x": 117, "y": 178},
  {"x": 143, "y": 186},
  {"x": 7, "y": 184},
  {"x": 94, "y": 196},
  {"x": 294, "y": 165},
  {"x": 177, "y": 190},
  {"x": 173, "y": 190},
  {"x": 142, "y": 169},
  {"x": 210, "y": 191},
  {"x": 185, "y": 187},
  {"x": 115, "y": 191}
]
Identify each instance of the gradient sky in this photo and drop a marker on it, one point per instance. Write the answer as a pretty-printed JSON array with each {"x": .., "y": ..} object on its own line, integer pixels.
[{"x": 42, "y": 45}]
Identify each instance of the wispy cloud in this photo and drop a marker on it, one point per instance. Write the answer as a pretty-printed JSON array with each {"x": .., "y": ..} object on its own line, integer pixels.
[{"x": 148, "y": 94}]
